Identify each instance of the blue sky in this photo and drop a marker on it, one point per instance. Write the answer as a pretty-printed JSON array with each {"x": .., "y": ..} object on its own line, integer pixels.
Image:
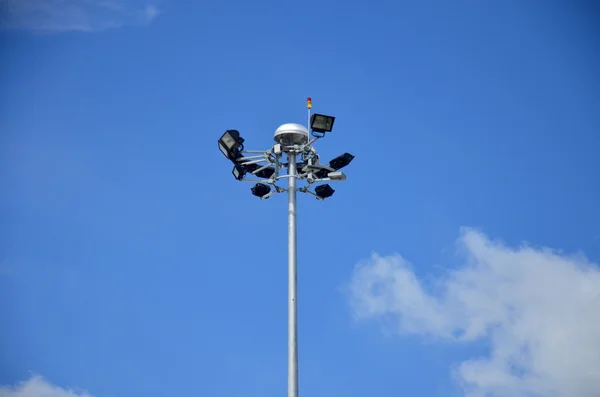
[{"x": 133, "y": 264}]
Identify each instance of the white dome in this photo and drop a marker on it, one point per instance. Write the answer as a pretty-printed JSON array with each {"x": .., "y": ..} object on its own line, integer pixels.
[{"x": 292, "y": 134}]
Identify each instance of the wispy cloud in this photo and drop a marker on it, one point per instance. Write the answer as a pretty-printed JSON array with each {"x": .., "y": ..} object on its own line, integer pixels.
[
  {"x": 54, "y": 16},
  {"x": 36, "y": 386},
  {"x": 537, "y": 308}
]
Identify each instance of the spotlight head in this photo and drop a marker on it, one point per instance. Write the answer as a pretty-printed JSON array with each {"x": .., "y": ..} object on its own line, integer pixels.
[
  {"x": 341, "y": 161},
  {"x": 239, "y": 171},
  {"x": 321, "y": 122},
  {"x": 260, "y": 190},
  {"x": 322, "y": 173},
  {"x": 265, "y": 173},
  {"x": 324, "y": 191},
  {"x": 231, "y": 144}
]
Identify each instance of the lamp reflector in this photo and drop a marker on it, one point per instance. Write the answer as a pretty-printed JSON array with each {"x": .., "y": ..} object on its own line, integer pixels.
[
  {"x": 231, "y": 139},
  {"x": 321, "y": 122},
  {"x": 223, "y": 149},
  {"x": 239, "y": 171}
]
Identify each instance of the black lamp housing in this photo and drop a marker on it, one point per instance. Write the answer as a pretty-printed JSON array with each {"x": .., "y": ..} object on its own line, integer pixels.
[
  {"x": 337, "y": 163},
  {"x": 239, "y": 171},
  {"x": 322, "y": 173},
  {"x": 321, "y": 123},
  {"x": 265, "y": 173},
  {"x": 324, "y": 191},
  {"x": 260, "y": 190},
  {"x": 341, "y": 161},
  {"x": 231, "y": 144}
]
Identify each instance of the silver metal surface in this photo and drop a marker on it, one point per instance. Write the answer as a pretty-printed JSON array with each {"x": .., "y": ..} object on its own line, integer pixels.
[{"x": 292, "y": 281}]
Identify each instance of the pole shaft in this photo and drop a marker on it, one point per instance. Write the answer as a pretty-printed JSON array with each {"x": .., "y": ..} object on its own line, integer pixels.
[{"x": 292, "y": 277}]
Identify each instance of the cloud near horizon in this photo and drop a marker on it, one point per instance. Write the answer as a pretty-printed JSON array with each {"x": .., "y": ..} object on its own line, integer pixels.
[
  {"x": 36, "y": 386},
  {"x": 55, "y": 16},
  {"x": 538, "y": 309}
]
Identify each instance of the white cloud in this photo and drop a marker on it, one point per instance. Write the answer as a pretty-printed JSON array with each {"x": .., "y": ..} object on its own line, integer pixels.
[
  {"x": 150, "y": 13},
  {"x": 37, "y": 386},
  {"x": 538, "y": 309},
  {"x": 53, "y": 16}
]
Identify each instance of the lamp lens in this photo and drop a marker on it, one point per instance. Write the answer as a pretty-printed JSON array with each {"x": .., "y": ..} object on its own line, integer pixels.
[
  {"x": 229, "y": 141},
  {"x": 223, "y": 149},
  {"x": 322, "y": 123}
]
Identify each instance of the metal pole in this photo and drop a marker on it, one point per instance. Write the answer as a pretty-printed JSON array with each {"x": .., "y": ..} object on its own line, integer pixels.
[{"x": 292, "y": 265}]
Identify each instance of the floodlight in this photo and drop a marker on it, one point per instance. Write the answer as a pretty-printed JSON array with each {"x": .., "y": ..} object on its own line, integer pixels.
[
  {"x": 337, "y": 176},
  {"x": 321, "y": 122},
  {"x": 341, "y": 161},
  {"x": 265, "y": 173},
  {"x": 239, "y": 171},
  {"x": 231, "y": 144},
  {"x": 322, "y": 173},
  {"x": 324, "y": 191},
  {"x": 260, "y": 190}
]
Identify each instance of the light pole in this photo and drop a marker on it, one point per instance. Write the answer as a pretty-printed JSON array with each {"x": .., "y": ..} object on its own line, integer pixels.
[{"x": 293, "y": 140}]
